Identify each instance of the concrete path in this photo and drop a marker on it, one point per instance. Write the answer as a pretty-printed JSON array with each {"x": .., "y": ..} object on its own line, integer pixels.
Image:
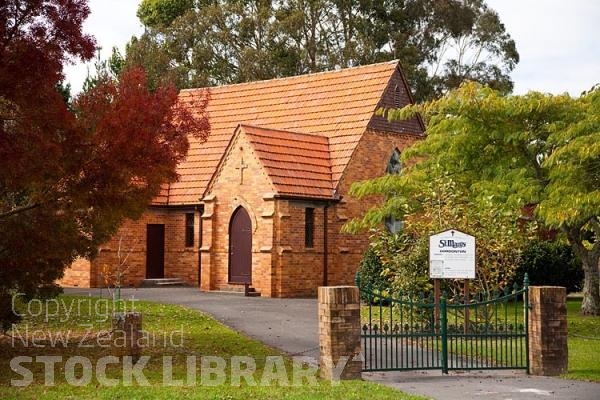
[
  {"x": 290, "y": 325},
  {"x": 487, "y": 385}
]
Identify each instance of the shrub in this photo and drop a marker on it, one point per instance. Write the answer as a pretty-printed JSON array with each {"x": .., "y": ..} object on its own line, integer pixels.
[
  {"x": 370, "y": 269},
  {"x": 406, "y": 260},
  {"x": 551, "y": 264},
  {"x": 370, "y": 272}
]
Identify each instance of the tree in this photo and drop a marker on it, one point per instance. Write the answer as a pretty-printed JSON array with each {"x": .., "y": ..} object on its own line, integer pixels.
[
  {"x": 551, "y": 263},
  {"x": 104, "y": 70},
  {"x": 440, "y": 43},
  {"x": 431, "y": 203},
  {"x": 75, "y": 171},
  {"x": 211, "y": 43},
  {"x": 513, "y": 151},
  {"x": 155, "y": 13}
]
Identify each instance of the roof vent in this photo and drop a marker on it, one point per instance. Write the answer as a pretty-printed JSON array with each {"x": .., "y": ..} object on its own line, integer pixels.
[{"x": 396, "y": 96}]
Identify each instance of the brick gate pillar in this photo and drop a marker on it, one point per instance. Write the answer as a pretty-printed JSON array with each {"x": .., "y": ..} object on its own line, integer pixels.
[
  {"x": 548, "y": 330},
  {"x": 339, "y": 332}
]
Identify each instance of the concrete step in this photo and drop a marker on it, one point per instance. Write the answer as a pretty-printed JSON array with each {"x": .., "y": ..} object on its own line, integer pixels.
[
  {"x": 240, "y": 288},
  {"x": 231, "y": 288},
  {"x": 249, "y": 291},
  {"x": 162, "y": 282}
]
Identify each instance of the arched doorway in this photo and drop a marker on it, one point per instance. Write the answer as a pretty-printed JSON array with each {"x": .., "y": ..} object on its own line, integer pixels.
[{"x": 240, "y": 247}]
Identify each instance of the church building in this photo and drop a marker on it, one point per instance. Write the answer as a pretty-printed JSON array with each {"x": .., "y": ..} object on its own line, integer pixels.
[{"x": 261, "y": 203}]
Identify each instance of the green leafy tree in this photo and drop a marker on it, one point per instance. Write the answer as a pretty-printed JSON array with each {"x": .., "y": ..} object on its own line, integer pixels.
[
  {"x": 104, "y": 70},
  {"x": 211, "y": 43},
  {"x": 160, "y": 13},
  {"x": 551, "y": 263},
  {"x": 513, "y": 151},
  {"x": 440, "y": 43},
  {"x": 431, "y": 203}
]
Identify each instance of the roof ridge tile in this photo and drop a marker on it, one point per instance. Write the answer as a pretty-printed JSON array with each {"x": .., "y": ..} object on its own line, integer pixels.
[{"x": 295, "y": 77}]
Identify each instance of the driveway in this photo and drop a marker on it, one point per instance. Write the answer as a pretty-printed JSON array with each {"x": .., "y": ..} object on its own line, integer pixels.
[
  {"x": 290, "y": 325},
  {"x": 286, "y": 324}
]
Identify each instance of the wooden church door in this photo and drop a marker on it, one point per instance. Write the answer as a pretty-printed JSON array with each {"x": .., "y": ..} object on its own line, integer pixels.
[
  {"x": 155, "y": 251},
  {"x": 240, "y": 247}
]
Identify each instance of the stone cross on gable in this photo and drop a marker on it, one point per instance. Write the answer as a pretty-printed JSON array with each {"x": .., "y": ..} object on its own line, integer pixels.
[{"x": 242, "y": 167}]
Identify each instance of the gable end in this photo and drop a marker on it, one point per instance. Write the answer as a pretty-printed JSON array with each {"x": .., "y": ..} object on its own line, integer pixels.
[{"x": 396, "y": 95}]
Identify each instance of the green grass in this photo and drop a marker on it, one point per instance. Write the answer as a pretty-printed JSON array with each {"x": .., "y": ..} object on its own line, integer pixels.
[
  {"x": 584, "y": 344},
  {"x": 200, "y": 336},
  {"x": 583, "y": 340}
]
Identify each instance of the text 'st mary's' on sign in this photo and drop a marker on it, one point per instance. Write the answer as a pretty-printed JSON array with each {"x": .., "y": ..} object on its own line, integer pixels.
[{"x": 452, "y": 255}]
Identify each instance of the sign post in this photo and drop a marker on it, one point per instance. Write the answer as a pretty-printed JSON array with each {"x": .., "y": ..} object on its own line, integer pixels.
[{"x": 451, "y": 256}]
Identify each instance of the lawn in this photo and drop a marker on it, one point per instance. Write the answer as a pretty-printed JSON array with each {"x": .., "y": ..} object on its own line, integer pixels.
[
  {"x": 584, "y": 344},
  {"x": 75, "y": 327}
]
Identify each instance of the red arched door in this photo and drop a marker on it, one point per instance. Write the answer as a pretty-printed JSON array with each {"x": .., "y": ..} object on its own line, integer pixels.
[{"x": 240, "y": 247}]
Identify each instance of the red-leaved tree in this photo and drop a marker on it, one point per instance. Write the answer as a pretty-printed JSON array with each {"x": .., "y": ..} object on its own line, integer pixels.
[{"x": 70, "y": 175}]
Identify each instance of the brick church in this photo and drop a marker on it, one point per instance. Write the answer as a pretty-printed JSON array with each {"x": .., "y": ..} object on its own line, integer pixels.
[{"x": 262, "y": 201}]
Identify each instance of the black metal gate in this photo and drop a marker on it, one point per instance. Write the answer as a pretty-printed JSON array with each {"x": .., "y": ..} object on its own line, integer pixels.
[{"x": 405, "y": 332}]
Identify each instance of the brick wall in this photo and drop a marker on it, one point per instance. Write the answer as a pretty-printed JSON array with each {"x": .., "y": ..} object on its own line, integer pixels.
[
  {"x": 228, "y": 192},
  {"x": 77, "y": 274},
  {"x": 298, "y": 271},
  {"x": 130, "y": 241},
  {"x": 281, "y": 265},
  {"x": 368, "y": 161}
]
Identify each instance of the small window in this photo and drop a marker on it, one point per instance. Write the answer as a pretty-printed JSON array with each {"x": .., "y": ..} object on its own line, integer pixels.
[
  {"x": 189, "y": 230},
  {"x": 394, "y": 167},
  {"x": 393, "y": 225},
  {"x": 309, "y": 227}
]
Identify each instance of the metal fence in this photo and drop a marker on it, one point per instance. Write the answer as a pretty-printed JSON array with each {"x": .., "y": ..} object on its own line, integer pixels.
[{"x": 407, "y": 332}]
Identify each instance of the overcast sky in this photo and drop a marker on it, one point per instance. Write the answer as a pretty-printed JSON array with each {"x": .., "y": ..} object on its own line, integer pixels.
[{"x": 558, "y": 40}]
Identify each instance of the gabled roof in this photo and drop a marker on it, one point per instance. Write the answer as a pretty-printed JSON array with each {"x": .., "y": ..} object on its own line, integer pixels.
[
  {"x": 336, "y": 105},
  {"x": 298, "y": 164}
]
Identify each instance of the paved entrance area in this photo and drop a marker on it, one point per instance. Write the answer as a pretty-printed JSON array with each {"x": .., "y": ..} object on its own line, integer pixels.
[{"x": 290, "y": 325}]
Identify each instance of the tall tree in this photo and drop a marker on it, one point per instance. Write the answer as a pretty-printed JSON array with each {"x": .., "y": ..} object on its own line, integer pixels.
[
  {"x": 511, "y": 152},
  {"x": 443, "y": 43},
  {"x": 440, "y": 43},
  {"x": 72, "y": 173},
  {"x": 157, "y": 13},
  {"x": 214, "y": 42}
]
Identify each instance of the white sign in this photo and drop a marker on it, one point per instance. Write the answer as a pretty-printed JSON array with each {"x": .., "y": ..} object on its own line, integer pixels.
[{"x": 452, "y": 255}]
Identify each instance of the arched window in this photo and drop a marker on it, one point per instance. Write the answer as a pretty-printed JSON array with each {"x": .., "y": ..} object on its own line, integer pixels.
[{"x": 394, "y": 167}]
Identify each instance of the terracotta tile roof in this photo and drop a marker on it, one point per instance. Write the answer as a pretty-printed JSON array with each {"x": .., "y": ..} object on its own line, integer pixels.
[
  {"x": 298, "y": 164},
  {"x": 337, "y": 105}
]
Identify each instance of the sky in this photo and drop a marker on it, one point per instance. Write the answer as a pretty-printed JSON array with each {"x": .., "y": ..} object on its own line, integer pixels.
[{"x": 558, "y": 40}]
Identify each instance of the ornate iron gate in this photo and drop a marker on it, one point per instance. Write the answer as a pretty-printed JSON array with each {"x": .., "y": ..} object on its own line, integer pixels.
[{"x": 404, "y": 332}]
